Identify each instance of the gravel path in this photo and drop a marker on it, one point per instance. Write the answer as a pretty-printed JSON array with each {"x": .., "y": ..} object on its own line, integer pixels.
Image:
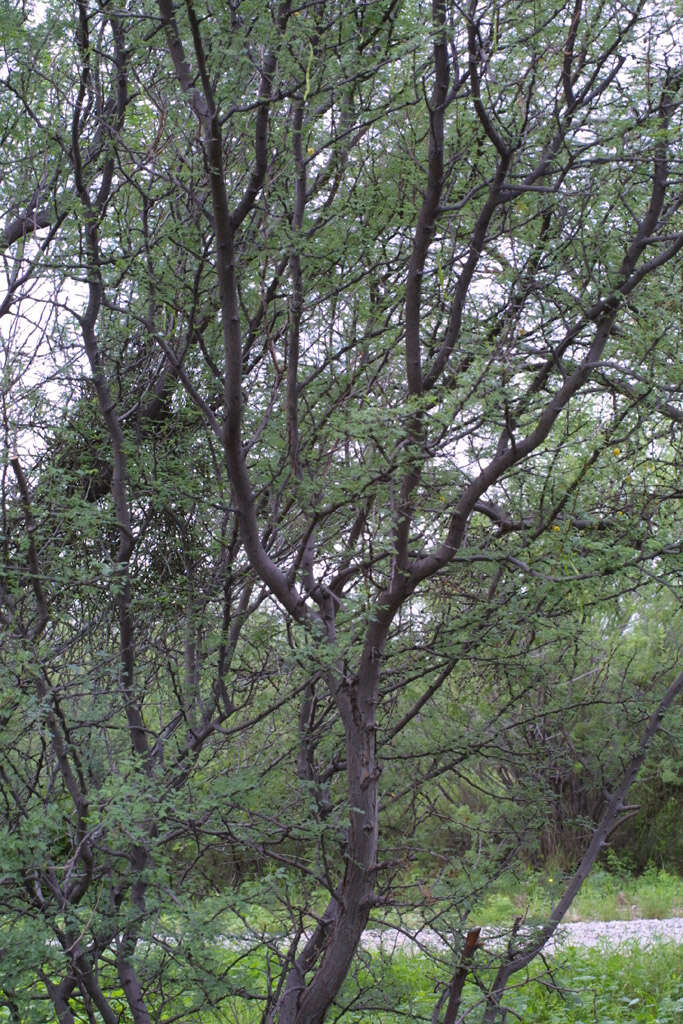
[
  {"x": 615, "y": 933},
  {"x": 582, "y": 933}
]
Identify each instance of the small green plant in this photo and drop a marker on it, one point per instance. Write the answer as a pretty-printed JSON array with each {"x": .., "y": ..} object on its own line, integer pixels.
[{"x": 659, "y": 893}]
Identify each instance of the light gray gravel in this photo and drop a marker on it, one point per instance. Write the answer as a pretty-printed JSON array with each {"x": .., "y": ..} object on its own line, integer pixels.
[
  {"x": 582, "y": 933},
  {"x": 615, "y": 933}
]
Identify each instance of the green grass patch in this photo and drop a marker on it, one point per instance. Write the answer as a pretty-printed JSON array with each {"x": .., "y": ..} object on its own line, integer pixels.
[{"x": 604, "y": 897}]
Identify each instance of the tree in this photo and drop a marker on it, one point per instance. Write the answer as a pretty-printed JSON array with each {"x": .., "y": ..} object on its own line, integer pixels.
[{"x": 343, "y": 380}]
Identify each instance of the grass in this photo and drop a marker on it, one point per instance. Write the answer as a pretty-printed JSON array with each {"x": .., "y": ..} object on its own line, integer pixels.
[
  {"x": 263, "y": 907},
  {"x": 604, "y": 897}
]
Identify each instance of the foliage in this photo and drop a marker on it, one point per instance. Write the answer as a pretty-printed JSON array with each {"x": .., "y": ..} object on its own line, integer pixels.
[{"x": 340, "y": 485}]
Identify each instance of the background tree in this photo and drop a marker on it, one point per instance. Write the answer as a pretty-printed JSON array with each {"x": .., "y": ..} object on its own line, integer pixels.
[{"x": 340, "y": 407}]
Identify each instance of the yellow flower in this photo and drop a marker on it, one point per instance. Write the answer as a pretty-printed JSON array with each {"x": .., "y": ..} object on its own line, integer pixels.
[
  {"x": 556, "y": 527},
  {"x": 311, "y": 151},
  {"x": 616, "y": 451},
  {"x": 550, "y": 879}
]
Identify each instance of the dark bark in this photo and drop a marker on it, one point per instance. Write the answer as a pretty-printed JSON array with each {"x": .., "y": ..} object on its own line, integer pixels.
[{"x": 454, "y": 990}]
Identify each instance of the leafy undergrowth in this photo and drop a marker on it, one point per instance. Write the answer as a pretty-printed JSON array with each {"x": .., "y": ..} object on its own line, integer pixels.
[
  {"x": 602, "y": 986},
  {"x": 632, "y": 985},
  {"x": 217, "y": 975}
]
